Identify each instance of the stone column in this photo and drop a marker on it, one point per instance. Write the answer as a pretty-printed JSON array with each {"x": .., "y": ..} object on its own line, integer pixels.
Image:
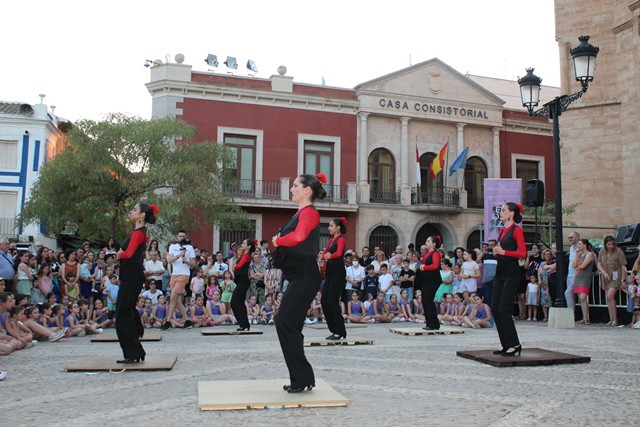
[
  {"x": 495, "y": 173},
  {"x": 404, "y": 163},
  {"x": 459, "y": 148},
  {"x": 363, "y": 150}
]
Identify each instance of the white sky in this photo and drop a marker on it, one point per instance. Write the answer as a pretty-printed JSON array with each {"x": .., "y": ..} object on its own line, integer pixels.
[{"x": 88, "y": 57}]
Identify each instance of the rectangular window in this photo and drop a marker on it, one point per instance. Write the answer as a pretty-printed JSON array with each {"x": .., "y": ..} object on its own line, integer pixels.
[
  {"x": 8, "y": 209},
  {"x": 243, "y": 148},
  {"x": 527, "y": 170},
  {"x": 227, "y": 237},
  {"x": 8, "y": 154},
  {"x": 318, "y": 157}
]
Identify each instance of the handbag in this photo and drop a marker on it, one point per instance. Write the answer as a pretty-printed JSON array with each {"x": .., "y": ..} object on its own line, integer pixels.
[{"x": 260, "y": 283}]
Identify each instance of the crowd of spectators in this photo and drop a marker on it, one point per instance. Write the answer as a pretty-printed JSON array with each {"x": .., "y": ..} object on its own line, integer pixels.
[{"x": 49, "y": 294}]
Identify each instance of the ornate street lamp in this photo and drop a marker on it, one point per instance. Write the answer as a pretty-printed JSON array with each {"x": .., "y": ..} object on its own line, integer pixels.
[{"x": 584, "y": 63}]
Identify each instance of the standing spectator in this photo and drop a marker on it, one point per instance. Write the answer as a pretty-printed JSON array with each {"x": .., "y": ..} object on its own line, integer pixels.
[
  {"x": 407, "y": 277},
  {"x": 355, "y": 276},
  {"x": 273, "y": 280},
  {"x": 153, "y": 269},
  {"x": 366, "y": 258},
  {"x": 543, "y": 280},
  {"x": 489, "y": 264},
  {"x": 612, "y": 266},
  {"x": 399, "y": 251},
  {"x": 219, "y": 267},
  {"x": 182, "y": 257},
  {"x": 265, "y": 252},
  {"x": 25, "y": 281},
  {"x": 153, "y": 246},
  {"x": 257, "y": 271},
  {"x": 583, "y": 264},
  {"x": 378, "y": 261},
  {"x": 574, "y": 238}
]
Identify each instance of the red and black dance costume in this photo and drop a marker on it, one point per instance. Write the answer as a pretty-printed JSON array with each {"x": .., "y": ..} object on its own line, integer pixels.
[
  {"x": 241, "y": 274},
  {"x": 429, "y": 277},
  {"x": 334, "y": 285},
  {"x": 301, "y": 238},
  {"x": 128, "y": 324},
  {"x": 506, "y": 282}
]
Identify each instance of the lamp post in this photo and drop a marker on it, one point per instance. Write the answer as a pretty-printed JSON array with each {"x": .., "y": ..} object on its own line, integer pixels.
[{"x": 584, "y": 62}]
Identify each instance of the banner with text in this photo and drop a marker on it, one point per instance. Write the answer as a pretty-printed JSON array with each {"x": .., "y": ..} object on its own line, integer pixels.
[{"x": 497, "y": 192}]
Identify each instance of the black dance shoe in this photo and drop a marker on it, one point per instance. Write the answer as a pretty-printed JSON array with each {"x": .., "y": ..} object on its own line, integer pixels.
[
  {"x": 242, "y": 329},
  {"x": 501, "y": 351},
  {"x": 336, "y": 337},
  {"x": 300, "y": 389},
  {"x": 430, "y": 328},
  {"x": 131, "y": 360},
  {"x": 513, "y": 350}
]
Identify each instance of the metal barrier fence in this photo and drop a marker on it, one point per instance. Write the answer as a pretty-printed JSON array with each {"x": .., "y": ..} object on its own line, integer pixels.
[{"x": 598, "y": 297}]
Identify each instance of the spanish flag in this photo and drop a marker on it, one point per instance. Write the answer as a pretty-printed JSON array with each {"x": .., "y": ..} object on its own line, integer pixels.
[{"x": 438, "y": 162}]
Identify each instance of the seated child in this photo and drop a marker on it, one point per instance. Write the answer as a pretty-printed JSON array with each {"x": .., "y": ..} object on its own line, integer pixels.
[
  {"x": 199, "y": 314},
  {"x": 217, "y": 311},
  {"x": 356, "y": 312},
  {"x": 381, "y": 309},
  {"x": 418, "y": 309},
  {"x": 267, "y": 310},
  {"x": 480, "y": 316},
  {"x": 446, "y": 310},
  {"x": 147, "y": 313},
  {"x": 459, "y": 309},
  {"x": 159, "y": 315},
  {"x": 405, "y": 305},
  {"x": 394, "y": 307},
  {"x": 253, "y": 310},
  {"x": 100, "y": 315}
]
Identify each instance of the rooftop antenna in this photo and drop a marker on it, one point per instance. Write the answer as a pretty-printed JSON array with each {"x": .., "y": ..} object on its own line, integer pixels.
[{"x": 42, "y": 95}]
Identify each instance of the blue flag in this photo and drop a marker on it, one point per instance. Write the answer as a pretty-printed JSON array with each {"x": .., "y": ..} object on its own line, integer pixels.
[{"x": 460, "y": 162}]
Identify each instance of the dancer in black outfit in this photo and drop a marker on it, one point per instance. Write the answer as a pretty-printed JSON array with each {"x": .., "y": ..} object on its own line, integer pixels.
[
  {"x": 299, "y": 239},
  {"x": 241, "y": 273},
  {"x": 430, "y": 280},
  {"x": 510, "y": 247},
  {"x": 132, "y": 253},
  {"x": 335, "y": 279}
]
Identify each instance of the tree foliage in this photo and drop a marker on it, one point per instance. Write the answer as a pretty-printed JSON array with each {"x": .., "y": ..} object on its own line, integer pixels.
[
  {"x": 546, "y": 217},
  {"x": 111, "y": 165}
]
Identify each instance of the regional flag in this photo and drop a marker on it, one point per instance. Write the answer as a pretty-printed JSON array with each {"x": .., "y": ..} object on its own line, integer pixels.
[
  {"x": 418, "y": 173},
  {"x": 460, "y": 162},
  {"x": 438, "y": 162}
]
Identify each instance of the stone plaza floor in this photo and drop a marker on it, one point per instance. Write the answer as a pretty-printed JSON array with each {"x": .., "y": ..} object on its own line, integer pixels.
[{"x": 399, "y": 380}]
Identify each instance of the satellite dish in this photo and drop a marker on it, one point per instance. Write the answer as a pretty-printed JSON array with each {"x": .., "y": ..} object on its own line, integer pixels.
[{"x": 26, "y": 109}]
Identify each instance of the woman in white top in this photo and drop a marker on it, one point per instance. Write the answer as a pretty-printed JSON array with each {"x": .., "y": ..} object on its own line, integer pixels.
[{"x": 355, "y": 276}]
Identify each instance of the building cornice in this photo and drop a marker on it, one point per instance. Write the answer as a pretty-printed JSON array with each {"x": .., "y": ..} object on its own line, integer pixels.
[
  {"x": 251, "y": 96},
  {"x": 528, "y": 126}
]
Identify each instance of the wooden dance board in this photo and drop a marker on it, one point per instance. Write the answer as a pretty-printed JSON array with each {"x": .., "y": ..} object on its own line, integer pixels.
[
  {"x": 343, "y": 341},
  {"x": 148, "y": 336},
  {"x": 419, "y": 331},
  {"x": 529, "y": 357},
  {"x": 264, "y": 394},
  {"x": 346, "y": 325},
  {"x": 227, "y": 331},
  {"x": 108, "y": 363}
]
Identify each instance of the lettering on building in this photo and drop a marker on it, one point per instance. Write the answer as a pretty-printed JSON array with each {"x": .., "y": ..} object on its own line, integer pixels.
[{"x": 434, "y": 109}]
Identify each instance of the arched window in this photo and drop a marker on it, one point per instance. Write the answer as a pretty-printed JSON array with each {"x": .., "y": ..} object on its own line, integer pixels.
[
  {"x": 424, "y": 233},
  {"x": 474, "y": 174},
  {"x": 385, "y": 237},
  {"x": 473, "y": 241},
  {"x": 431, "y": 189},
  {"x": 382, "y": 173}
]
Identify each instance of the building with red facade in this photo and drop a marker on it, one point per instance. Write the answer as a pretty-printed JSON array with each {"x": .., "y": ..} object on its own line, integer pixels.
[{"x": 367, "y": 141}]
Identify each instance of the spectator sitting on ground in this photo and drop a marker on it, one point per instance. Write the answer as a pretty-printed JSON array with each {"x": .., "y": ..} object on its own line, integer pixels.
[
  {"x": 480, "y": 316},
  {"x": 381, "y": 309},
  {"x": 253, "y": 310},
  {"x": 217, "y": 311},
  {"x": 356, "y": 312},
  {"x": 153, "y": 293}
]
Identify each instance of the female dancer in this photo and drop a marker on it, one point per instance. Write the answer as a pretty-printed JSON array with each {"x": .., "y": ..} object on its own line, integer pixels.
[
  {"x": 132, "y": 253},
  {"x": 335, "y": 279},
  {"x": 510, "y": 247},
  {"x": 430, "y": 280},
  {"x": 241, "y": 272},
  {"x": 300, "y": 237}
]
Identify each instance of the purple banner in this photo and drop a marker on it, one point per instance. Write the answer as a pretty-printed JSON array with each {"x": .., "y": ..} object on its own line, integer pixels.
[{"x": 497, "y": 192}]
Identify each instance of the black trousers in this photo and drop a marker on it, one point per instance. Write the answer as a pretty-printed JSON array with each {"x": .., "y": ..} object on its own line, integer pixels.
[
  {"x": 128, "y": 324},
  {"x": 430, "y": 313},
  {"x": 237, "y": 302},
  {"x": 295, "y": 303},
  {"x": 502, "y": 298},
  {"x": 331, "y": 294}
]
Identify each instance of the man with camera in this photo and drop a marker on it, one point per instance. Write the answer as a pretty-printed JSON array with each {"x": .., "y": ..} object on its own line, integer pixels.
[
  {"x": 182, "y": 257},
  {"x": 489, "y": 265}
]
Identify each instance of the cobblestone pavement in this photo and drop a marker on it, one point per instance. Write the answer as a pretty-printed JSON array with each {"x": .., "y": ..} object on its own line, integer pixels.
[{"x": 410, "y": 380}]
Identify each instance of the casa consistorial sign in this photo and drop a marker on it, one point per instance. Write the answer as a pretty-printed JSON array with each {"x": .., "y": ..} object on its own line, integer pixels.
[{"x": 432, "y": 108}]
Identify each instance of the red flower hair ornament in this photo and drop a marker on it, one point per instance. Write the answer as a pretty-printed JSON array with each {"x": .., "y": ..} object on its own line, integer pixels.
[
  {"x": 520, "y": 207},
  {"x": 322, "y": 178},
  {"x": 154, "y": 208},
  {"x": 344, "y": 220},
  {"x": 255, "y": 243}
]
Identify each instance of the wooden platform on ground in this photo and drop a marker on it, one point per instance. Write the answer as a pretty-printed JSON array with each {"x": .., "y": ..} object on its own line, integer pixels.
[
  {"x": 346, "y": 325},
  {"x": 264, "y": 394},
  {"x": 444, "y": 330},
  {"x": 344, "y": 341},
  {"x": 529, "y": 357},
  {"x": 108, "y": 363},
  {"x": 228, "y": 331},
  {"x": 107, "y": 337}
]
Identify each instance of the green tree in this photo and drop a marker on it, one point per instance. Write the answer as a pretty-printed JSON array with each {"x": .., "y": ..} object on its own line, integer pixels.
[
  {"x": 546, "y": 218},
  {"x": 111, "y": 165}
]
